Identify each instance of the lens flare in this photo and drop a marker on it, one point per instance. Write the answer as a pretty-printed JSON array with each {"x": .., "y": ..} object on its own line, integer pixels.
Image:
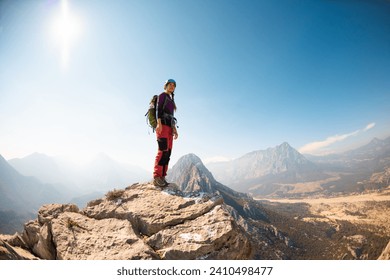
[{"x": 66, "y": 29}]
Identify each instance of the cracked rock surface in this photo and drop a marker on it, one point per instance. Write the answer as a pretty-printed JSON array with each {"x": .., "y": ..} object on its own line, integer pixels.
[{"x": 140, "y": 222}]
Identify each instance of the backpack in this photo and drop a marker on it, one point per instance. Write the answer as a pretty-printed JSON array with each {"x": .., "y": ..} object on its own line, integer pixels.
[{"x": 151, "y": 114}]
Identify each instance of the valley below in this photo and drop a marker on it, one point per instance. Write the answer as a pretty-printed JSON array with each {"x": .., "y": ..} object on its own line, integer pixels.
[{"x": 354, "y": 226}]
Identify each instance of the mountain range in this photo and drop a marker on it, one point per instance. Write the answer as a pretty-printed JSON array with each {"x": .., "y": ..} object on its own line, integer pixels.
[
  {"x": 21, "y": 196},
  {"x": 29, "y": 182},
  {"x": 283, "y": 172},
  {"x": 297, "y": 230},
  {"x": 100, "y": 174}
]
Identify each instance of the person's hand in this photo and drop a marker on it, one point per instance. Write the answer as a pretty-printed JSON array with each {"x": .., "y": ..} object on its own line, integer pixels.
[
  {"x": 175, "y": 134},
  {"x": 158, "y": 128}
]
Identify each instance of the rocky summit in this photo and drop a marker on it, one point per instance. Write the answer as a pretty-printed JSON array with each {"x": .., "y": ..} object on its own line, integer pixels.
[{"x": 139, "y": 222}]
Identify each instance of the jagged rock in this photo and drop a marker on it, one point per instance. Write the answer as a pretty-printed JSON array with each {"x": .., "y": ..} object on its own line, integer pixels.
[
  {"x": 50, "y": 211},
  {"x": 151, "y": 210},
  {"x": 77, "y": 237},
  {"x": 14, "y": 240},
  {"x": 8, "y": 252},
  {"x": 386, "y": 253},
  {"x": 213, "y": 235},
  {"x": 37, "y": 234},
  {"x": 140, "y": 222},
  {"x": 31, "y": 234}
]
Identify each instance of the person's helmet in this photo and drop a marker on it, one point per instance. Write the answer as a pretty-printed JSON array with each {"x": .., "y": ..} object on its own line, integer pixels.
[{"x": 168, "y": 82}]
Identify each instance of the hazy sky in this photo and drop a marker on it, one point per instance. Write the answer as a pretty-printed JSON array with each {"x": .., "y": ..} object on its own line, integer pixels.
[{"x": 76, "y": 77}]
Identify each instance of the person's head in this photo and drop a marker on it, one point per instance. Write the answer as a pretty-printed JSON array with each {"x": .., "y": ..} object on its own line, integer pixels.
[{"x": 170, "y": 85}]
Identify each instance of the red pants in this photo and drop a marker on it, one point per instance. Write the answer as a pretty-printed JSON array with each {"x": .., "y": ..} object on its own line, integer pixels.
[{"x": 165, "y": 141}]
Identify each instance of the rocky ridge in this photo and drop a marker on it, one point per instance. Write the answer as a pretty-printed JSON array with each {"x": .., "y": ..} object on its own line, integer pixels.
[{"x": 139, "y": 222}]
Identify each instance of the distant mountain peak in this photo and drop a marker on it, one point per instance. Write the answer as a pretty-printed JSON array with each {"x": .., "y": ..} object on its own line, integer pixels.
[
  {"x": 375, "y": 147},
  {"x": 260, "y": 169},
  {"x": 37, "y": 156},
  {"x": 285, "y": 145},
  {"x": 190, "y": 158},
  {"x": 190, "y": 172},
  {"x": 283, "y": 152},
  {"x": 194, "y": 163}
]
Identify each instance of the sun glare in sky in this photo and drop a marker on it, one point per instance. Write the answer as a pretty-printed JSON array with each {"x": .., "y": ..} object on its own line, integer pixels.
[
  {"x": 251, "y": 75},
  {"x": 66, "y": 29}
]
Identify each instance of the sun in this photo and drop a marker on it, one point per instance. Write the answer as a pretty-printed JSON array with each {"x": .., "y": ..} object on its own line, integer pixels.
[{"x": 66, "y": 28}]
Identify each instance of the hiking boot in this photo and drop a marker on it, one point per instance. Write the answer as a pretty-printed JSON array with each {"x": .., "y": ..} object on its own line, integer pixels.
[
  {"x": 159, "y": 182},
  {"x": 166, "y": 183}
]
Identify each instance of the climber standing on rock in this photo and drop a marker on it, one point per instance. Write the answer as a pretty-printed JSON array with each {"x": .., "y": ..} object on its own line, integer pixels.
[{"x": 166, "y": 131}]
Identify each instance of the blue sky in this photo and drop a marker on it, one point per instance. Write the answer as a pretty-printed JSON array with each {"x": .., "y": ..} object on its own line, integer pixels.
[{"x": 76, "y": 76}]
